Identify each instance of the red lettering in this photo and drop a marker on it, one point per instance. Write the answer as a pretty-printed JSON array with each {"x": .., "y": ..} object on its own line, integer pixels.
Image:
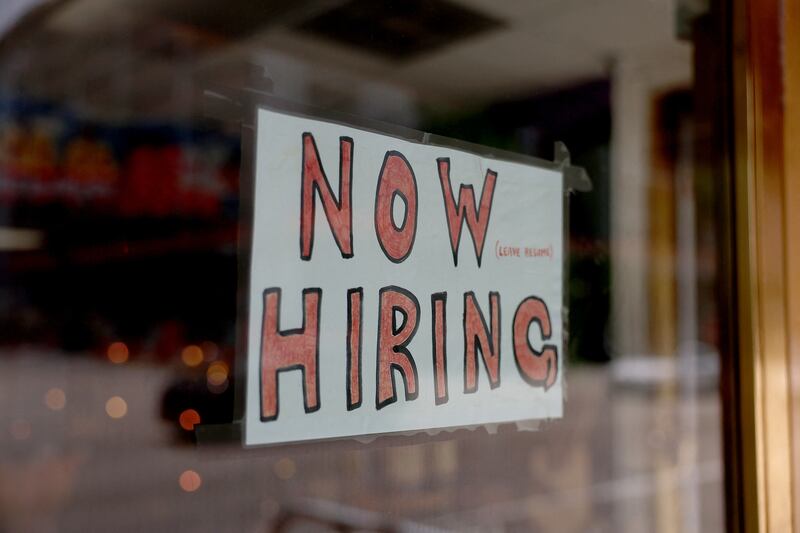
[
  {"x": 477, "y": 220},
  {"x": 282, "y": 351},
  {"x": 438, "y": 308},
  {"x": 393, "y": 340},
  {"x": 537, "y": 368},
  {"x": 478, "y": 337},
  {"x": 396, "y": 180},
  {"x": 354, "y": 336},
  {"x": 338, "y": 213}
]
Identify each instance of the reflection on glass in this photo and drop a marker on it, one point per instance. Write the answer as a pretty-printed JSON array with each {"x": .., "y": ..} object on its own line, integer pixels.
[{"x": 119, "y": 217}]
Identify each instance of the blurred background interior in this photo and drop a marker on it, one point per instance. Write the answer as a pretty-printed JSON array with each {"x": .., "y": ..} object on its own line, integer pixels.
[{"x": 119, "y": 195}]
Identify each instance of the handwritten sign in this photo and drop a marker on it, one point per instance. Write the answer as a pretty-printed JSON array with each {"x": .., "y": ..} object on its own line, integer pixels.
[{"x": 398, "y": 286}]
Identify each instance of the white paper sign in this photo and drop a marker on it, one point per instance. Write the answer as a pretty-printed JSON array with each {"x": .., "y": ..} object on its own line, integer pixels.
[{"x": 397, "y": 286}]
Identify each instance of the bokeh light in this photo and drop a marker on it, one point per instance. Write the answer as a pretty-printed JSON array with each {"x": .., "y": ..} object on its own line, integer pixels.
[
  {"x": 55, "y": 399},
  {"x": 192, "y": 355},
  {"x": 285, "y": 469},
  {"x": 189, "y": 419},
  {"x": 217, "y": 373},
  {"x": 117, "y": 353},
  {"x": 190, "y": 480},
  {"x": 116, "y": 407}
]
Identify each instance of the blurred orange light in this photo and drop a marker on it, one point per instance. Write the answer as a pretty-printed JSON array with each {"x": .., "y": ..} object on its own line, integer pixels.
[
  {"x": 55, "y": 399},
  {"x": 217, "y": 373},
  {"x": 117, "y": 352},
  {"x": 116, "y": 407},
  {"x": 285, "y": 468},
  {"x": 188, "y": 419},
  {"x": 192, "y": 355},
  {"x": 190, "y": 480}
]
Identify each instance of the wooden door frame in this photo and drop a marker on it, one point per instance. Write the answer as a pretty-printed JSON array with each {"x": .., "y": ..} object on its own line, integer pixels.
[{"x": 766, "y": 252}]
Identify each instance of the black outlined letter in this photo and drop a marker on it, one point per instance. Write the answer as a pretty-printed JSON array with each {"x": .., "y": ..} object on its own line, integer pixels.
[
  {"x": 539, "y": 369},
  {"x": 479, "y": 337},
  {"x": 477, "y": 220},
  {"x": 439, "y": 317},
  {"x": 396, "y": 180},
  {"x": 393, "y": 340},
  {"x": 355, "y": 307},
  {"x": 293, "y": 349},
  {"x": 339, "y": 213}
]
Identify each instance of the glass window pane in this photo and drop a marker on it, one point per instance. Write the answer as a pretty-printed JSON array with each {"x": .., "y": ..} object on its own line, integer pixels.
[{"x": 119, "y": 217}]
